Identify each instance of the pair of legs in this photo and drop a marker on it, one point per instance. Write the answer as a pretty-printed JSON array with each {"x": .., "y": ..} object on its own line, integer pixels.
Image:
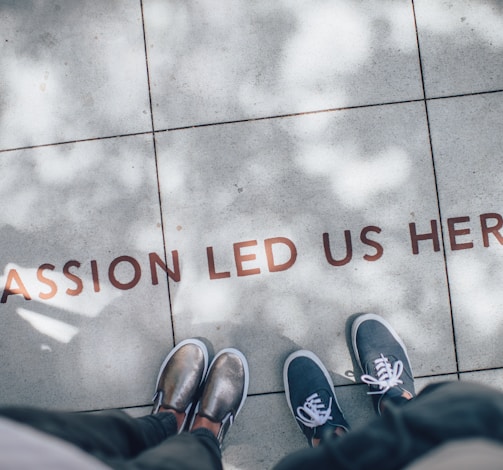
[{"x": 196, "y": 401}]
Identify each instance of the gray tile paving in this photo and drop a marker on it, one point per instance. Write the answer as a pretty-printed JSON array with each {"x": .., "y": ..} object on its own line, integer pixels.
[
  {"x": 228, "y": 201},
  {"x": 492, "y": 378},
  {"x": 461, "y": 45},
  {"x": 79, "y": 310},
  {"x": 241, "y": 59},
  {"x": 71, "y": 70},
  {"x": 232, "y": 188},
  {"x": 468, "y": 144}
]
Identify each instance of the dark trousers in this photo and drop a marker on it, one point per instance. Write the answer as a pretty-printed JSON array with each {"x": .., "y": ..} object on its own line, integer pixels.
[
  {"x": 442, "y": 413},
  {"x": 123, "y": 442}
]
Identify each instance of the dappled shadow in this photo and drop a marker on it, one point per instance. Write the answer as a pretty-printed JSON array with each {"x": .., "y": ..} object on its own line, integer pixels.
[
  {"x": 297, "y": 176},
  {"x": 469, "y": 172},
  {"x": 461, "y": 46},
  {"x": 250, "y": 60},
  {"x": 71, "y": 70},
  {"x": 290, "y": 171},
  {"x": 67, "y": 208}
]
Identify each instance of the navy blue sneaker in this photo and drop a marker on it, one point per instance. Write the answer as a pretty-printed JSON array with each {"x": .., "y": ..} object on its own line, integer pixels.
[
  {"x": 310, "y": 395},
  {"x": 382, "y": 356}
]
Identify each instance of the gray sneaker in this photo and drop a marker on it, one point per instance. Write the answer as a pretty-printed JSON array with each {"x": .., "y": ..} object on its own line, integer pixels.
[
  {"x": 180, "y": 377},
  {"x": 225, "y": 390},
  {"x": 310, "y": 395},
  {"x": 382, "y": 356}
]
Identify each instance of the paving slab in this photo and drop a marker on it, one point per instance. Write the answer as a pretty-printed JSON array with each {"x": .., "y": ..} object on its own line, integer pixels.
[
  {"x": 242, "y": 60},
  {"x": 249, "y": 204},
  {"x": 468, "y": 150},
  {"x": 492, "y": 378},
  {"x": 277, "y": 230},
  {"x": 461, "y": 45},
  {"x": 80, "y": 312},
  {"x": 71, "y": 70}
]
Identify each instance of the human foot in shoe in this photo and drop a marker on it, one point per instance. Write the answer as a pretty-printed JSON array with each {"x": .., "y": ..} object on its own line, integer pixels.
[
  {"x": 310, "y": 396},
  {"x": 224, "y": 393},
  {"x": 382, "y": 356},
  {"x": 180, "y": 377}
]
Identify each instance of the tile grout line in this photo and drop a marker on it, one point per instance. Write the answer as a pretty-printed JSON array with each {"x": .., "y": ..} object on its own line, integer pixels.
[
  {"x": 462, "y": 95},
  {"x": 327, "y": 110},
  {"x": 75, "y": 141},
  {"x": 157, "y": 169},
  {"x": 442, "y": 237},
  {"x": 281, "y": 392},
  {"x": 237, "y": 121},
  {"x": 287, "y": 115}
]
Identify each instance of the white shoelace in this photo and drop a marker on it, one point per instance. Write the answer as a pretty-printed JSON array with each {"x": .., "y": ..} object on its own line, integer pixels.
[
  {"x": 313, "y": 412},
  {"x": 387, "y": 376}
]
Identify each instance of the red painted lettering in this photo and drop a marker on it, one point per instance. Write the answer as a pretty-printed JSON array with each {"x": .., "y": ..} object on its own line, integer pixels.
[
  {"x": 47, "y": 281},
  {"x": 241, "y": 258},
  {"x": 136, "y": 268},
  {"x": 94, "y": 273},
  {"x": 367, "y": 241},
  {"x": 78, "y": 281},
  {"x": 433, "y": 235},
  {"x": 486, "y": 230},
  {"x": 211, "y": 266},
  {"x": 453, "y": 233},
  {"x": 273, "y": 267},
  {"x": 328, "y": 253},
  {"x": 13, "y": 276},
  {"x": 155, "y": 261}
]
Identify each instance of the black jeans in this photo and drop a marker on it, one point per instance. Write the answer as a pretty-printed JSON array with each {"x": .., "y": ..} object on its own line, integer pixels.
[
  {"x": 441, "y": 413},
  {"x": 123, "y": 442}
]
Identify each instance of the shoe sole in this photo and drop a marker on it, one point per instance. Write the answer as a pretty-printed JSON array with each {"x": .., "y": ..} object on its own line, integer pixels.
[
  {"x": 317, "y": 361},
  {"x": 198, "y": 343},
  {"x": 372, "y": 316}
]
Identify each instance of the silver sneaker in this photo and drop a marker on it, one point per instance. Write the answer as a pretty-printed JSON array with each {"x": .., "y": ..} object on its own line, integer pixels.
[
  {"x": 225, "y": 390},
  {"x": 180, "y": 377}
]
